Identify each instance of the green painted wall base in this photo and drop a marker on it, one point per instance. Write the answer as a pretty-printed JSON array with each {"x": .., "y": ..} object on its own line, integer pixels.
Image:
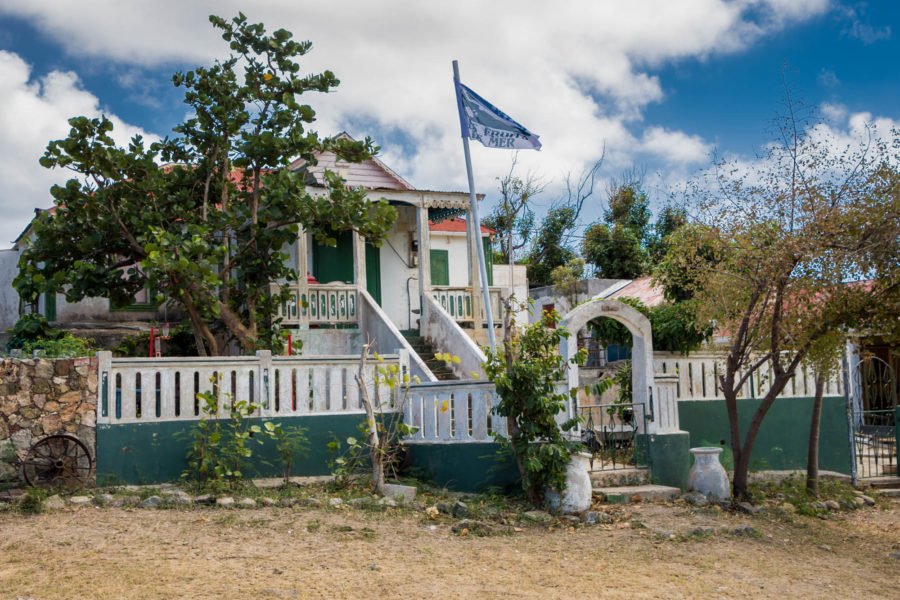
[
  {"x": 464, "y": 467},
  {"x": 783, "y": 439},
  {"x": 147, "y": 453},
  {"x": 668, "y": 455}
]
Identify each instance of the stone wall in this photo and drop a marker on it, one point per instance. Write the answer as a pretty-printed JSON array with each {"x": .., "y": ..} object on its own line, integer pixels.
[{"x": 40, "y": 397}]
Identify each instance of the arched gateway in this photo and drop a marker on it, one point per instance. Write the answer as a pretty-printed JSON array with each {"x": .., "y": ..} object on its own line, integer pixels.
[{"x": 658, "y": 401}]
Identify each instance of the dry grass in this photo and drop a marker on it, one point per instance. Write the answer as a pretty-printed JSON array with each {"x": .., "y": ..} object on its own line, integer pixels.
[{"x": 351, "y": 553}]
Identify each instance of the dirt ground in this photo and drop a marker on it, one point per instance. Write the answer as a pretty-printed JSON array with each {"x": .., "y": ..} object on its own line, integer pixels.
[{"x": 651, "y": 552}]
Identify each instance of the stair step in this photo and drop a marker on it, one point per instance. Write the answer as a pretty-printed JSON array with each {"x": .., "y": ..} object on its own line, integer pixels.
[
  {"x": 637, "y": 493},
  {"x": 620, "y": 477}
]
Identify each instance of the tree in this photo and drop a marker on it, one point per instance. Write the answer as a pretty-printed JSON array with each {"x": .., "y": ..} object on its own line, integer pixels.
[
  {"x": 669, "y": 220},
  {"x": 513, "y": 216},
  {"x": 201, "y": 218},
  {"x": 552, "y": 245},
  {"x": 566, "y": 280},
  {"x": 675, "y": 326},
  {"x": 526, "y": 370},
  {"x": 616, "y": 247},
  {"x": 806, "y": 245}
]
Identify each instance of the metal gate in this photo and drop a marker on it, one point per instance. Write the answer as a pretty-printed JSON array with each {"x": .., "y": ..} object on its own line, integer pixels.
[{"x": 872, "y": 412}]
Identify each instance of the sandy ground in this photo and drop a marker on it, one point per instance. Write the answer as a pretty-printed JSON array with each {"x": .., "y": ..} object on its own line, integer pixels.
[{"x": 350, "y": 553}]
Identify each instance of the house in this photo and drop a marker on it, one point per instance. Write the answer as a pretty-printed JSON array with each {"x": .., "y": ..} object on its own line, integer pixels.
[{"x": 422, "y": 281}]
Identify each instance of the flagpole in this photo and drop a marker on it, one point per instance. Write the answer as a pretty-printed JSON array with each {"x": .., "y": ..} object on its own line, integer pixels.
[{"x": 476, "y": 225}]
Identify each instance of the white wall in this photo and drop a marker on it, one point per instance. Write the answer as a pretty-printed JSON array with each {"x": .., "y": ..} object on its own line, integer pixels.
[
  {"x": 395, "y": 271},
  {"x": 9, "y": 298},
  {"x": 457, "y": 254}
]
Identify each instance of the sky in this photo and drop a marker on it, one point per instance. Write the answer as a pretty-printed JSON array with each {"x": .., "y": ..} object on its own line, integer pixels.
[{"x": 664, "y": 86}]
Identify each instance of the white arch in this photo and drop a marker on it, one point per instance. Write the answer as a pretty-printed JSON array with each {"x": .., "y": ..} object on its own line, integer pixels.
[{"x": 642, "y": 381}]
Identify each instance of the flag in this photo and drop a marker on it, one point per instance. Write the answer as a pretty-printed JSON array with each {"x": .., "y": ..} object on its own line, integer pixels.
[{"x": 480, "y": 120}]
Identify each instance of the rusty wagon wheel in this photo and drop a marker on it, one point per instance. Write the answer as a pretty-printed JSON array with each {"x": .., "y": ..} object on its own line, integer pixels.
[{"x": 58, "y": 461}]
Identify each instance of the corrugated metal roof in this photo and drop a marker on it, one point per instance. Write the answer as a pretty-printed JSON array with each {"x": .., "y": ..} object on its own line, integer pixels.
[{"x": 642, "y": 289}]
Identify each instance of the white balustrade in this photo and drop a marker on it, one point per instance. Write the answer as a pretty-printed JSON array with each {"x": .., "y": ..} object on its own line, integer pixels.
[
  {"x": 319, "y": 304},
  {"x": 457, "y": 301},
  {"x": 452, "y": 412},
  {"x": 143, "y": 390}
]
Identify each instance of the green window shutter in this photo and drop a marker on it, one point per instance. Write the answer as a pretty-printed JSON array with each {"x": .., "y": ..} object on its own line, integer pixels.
[
  {"x": 50, "y": 306},
  {"x": 334, "y": 263},
  {"x": 440, "y": 267},
  {"x": 373, "y": 272},
  {"x": 488, "y": 259}
]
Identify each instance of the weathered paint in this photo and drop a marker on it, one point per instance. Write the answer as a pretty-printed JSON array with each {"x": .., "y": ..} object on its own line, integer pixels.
[
  {"x": 145, "y": 453},
  {"x": 667, "y": 455},
  {"x": 783, "y": 439},
  {"x": 472, "y": 467}
]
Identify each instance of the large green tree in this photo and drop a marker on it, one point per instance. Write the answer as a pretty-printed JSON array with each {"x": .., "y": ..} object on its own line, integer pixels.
[
  {"x": 201, "y": 218},
  {"x": 616, "y": 247}
]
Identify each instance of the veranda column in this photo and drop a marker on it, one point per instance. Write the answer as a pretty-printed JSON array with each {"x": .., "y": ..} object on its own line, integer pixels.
[
  {"x": 359, "y": 261},
  {"x": 302, "y": 283},
  {"x": 423, "y": 237},
  {"x": 473, "y": 237}
]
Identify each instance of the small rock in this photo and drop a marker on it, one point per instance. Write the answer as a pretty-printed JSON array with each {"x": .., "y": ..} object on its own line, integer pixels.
[
  {"x": 787, "y": 508},
  {"x": 832, "y": 505},
  {"x": 859, "y": 502},
  {"x": 572, "y": 519},
  {"x": 538, "y": 516},
  {"x": 335, "y": 502},
  {"x": 80, "y": 500},
  {"x": 389, "y": 502},
  {"x": 819, "y": 505},
  {"x": 313, "y": 502},
  {"x": 669, "y": 535},
  {"x": 181, "y": 499},
  {"x": 247, "y": 503},
  {"x": 266, "y": 501},
  {"x": 104, "y": 499},
  {"x": 432, "y": 511},
  {"x": 703, "y": 531},
  {"x": 131, "y": 501},
  {"x": 746, "y": 508},
  {"x": 289, "y": 501},
  {"x": 744, "y": 530},
  {"x": 847, "y": 505},
  {"x": 54, "y": 502},
  {"x": 225, "y": 501},
  {"x": 781, "y": 497},
  {"x": 445, "y": 508},
  {"x": 459, "y": 510},
  {"x": 373, "y": 567},
  {"x": 826, "y": 547},
  {"x": 152, "y": 502},
  {"x": 404, "y": 492},
  {"x": 868, "y": 500},
  {"x": 279, "y": 593},
  {"x": 894, "y": 555},
  {"x": 695, "y": 499},
  {"x": 204, "y": 499},
  {"x": 472, "y": 526},
  {"x": 590, "y": 517}
]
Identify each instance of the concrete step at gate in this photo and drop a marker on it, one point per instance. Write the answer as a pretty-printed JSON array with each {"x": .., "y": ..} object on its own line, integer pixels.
[
  {"x": 636, "y": 493},
  {"x": 619, "y": 477}
]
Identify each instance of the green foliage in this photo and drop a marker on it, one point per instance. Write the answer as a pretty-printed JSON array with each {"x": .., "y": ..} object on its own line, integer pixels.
[
  {"x": 676, "y": 327},
  {"x": 202, "y": 217},
  {"x": 616, "y": 248},
  {"x": 513, "y": 216},
  {"x": 32, "y": 501},
  {"x": 220, "y": 449},
  {"x": 65, "y": 346},
  {"x": 31, "y": 328},
  {"x": 669, "y": 220},
  {"x": 180, "y": 343},
  {"x": 346, "y": 458},
  {"x": 566, "y": 280},
  {"x": 526, "y": 370},
  {"x": 290, "y": 442},
  {"x": 549, "y": 249}
]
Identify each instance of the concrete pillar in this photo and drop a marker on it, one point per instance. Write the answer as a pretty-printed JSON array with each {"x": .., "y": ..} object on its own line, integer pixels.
[
  {"x": 359, "y": 261},
  {"x": 302, "y": 284},
  {"x": 423, "y": 239}
]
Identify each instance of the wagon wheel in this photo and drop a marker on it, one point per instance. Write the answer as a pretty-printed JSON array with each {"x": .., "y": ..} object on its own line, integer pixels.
[{"x": 58, "y": 461}]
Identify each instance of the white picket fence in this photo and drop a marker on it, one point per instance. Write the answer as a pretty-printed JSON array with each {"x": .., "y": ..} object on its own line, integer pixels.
[
  {"x": 452, "y": 412},
  {"x": 698, "y": 378},
  {"x": 147, "y": 390}
]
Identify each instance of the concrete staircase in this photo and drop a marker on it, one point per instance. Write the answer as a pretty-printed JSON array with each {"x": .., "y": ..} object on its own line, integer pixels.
[
  {"x": 632, "y": 484},
  {"x": 426, "y": 353}
]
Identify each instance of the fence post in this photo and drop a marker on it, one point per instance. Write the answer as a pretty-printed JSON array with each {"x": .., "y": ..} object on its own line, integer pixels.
[
  {"x": 263, "y": 382},
  {"x": 104, "y": 364}
]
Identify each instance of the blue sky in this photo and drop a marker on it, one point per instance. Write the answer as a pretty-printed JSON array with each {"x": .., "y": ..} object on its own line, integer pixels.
[{"x": 658, "y": 84}]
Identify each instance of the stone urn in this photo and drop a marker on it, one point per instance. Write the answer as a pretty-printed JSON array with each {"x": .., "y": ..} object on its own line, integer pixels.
[
  {"x": 708, "y": 476},
  {"x": 576, "y": 497}
]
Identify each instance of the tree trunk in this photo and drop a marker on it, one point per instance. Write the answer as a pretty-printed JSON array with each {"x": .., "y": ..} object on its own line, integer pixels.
[
  {"x": 812, "y": 459},
  {"x": 375, "y": 451}
]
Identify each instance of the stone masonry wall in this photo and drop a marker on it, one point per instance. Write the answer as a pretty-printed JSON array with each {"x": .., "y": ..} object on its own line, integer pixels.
[{"x": 40, "y": 397}]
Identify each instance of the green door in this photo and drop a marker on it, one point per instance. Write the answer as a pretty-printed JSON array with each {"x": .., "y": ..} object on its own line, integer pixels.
[
  {"x": 334, "y": 263},
  {"x": 373, "y": 272},
  {"x": 440, "y": 267},
  {"x": 488, "y": 259}
]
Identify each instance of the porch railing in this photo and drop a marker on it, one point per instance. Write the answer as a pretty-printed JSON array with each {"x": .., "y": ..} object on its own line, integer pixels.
[
  {"x": 144, "y": 390},
  {"x": 319, "y": 304},
  {"x": 457, "y": 301},
  {"x": 452, "y": 412}
]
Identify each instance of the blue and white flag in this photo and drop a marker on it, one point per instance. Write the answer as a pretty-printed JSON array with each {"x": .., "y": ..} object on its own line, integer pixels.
[{"x": 480, "y": 120}]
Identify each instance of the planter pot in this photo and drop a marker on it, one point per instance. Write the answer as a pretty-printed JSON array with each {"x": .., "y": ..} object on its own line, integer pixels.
[
  {"x": 576, "y": 497},
  {"x": 708, "y": 476}
]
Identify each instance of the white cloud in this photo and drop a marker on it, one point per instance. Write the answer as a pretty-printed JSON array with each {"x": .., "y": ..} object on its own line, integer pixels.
[
  {"x": 577, "y": 73},
  {"x": 35, "y": 112}
]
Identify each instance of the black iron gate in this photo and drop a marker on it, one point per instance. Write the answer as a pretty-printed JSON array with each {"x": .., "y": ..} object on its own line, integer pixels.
[{"x": 872, "y": 416}]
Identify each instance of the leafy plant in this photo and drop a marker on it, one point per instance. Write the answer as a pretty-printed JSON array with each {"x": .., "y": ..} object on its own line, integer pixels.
[
  {"x": 65, "y": 346},
  {"x": 220, "y": 449},
  {"x": 31, "y": 328},
  {"x": 290, "y": 442},
  {"x": 526, "y": 370},
  {"x": 33, "y": 500}
]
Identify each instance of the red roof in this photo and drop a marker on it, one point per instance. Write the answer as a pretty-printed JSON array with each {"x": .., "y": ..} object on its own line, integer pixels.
[
  {"x": 642, "y": 289},
  {"x": 457, "y": 226}
]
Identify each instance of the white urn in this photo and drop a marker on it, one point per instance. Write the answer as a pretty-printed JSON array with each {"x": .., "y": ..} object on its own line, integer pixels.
[
  {"x": 576, "y": 497},
  {"x": 708, "y": 476}
]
